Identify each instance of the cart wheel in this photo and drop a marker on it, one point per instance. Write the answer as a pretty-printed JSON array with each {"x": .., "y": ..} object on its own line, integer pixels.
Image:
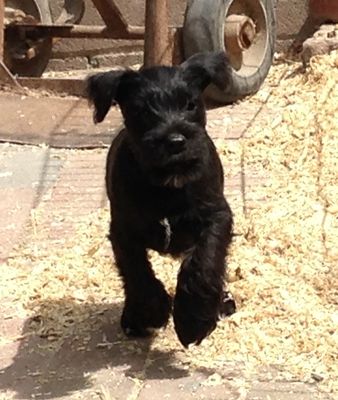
[
  {"x": 245, "y": 29},
  {"x": 72, "y": 12},
  {"x": 23, "y": 56}
]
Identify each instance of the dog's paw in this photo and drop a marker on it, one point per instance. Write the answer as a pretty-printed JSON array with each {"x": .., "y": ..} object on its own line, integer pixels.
[
  {"x": 195, "y": 317},
  {"x": 142, "y": 315},
  {"x": 228, "y": 305}
]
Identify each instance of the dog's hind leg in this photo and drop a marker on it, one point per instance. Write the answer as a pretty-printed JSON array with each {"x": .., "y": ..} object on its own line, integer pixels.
[
  {"x": 199, "y": 293},
  {"x": 147, "y": 304}
]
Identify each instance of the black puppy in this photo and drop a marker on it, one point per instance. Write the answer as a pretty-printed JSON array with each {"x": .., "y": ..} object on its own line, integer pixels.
[{"x": 165, "y": 185}]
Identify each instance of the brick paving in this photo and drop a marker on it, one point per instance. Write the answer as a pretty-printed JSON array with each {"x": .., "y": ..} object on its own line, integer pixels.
[
  {"x": 66, "y": 183},
  {"x": 58, "y": 122}
]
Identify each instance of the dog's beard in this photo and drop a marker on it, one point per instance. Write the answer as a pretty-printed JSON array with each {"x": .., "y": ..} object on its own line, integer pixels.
[
  {"x": 183, "y": 174},
  {"x": 177, "y": 175}
]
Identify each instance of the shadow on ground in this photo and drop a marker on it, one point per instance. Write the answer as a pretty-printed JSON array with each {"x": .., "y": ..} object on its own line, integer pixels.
[{"x": 88, "y": 354}]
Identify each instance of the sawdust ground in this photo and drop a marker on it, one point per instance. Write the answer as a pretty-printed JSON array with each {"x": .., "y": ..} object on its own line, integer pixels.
[{"x": 283, "y": 265}]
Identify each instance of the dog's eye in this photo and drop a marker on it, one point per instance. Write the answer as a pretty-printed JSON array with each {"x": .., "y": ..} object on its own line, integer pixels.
[{"x": 191, "y": 106}]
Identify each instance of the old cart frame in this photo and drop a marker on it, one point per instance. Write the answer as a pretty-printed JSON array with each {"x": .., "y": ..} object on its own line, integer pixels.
[
  {"x": 245, "y": 29},
  {"x": 161, "y": 43}
]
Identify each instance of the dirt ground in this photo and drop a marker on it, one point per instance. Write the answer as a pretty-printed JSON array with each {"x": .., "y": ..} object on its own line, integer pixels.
[{"x": 61, "y": 297}]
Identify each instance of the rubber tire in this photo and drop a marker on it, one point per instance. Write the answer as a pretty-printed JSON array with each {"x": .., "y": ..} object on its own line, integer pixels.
[
  {"x": 36, "y": 66},
  {"x": 46, "y": 16},
  {"x": 203, "y": 31}
]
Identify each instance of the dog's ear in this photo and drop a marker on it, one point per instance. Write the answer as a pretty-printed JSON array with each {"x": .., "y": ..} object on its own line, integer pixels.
[
  {"x": 103, "y": 90},
  {"x": 201, "y": 69}
]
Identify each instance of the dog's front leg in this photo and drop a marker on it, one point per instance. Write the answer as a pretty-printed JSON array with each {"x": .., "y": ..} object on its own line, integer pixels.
[
  {"x": 147, "y": 304},
  {"x": 199, "y": 293}
]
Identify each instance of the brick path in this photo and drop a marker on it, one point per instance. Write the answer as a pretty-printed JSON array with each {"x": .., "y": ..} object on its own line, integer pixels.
[{"x": 67, "y": 183}]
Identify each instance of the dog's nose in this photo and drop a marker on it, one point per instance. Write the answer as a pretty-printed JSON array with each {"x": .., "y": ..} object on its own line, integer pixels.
[{"x": 176, "y": 142}]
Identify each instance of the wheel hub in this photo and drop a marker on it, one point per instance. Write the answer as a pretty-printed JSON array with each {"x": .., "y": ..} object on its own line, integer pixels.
[
  {"x": 25, "y": 56},
  {"x": 246, "y": 35},
  {"x": 239, "y": 33},
  {"x": 21, "y": 47}
]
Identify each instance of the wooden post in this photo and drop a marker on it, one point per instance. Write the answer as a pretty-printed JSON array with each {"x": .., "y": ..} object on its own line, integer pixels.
[
  {"x": 157, "y": 50},
  {"x": 2, "y": 28}
]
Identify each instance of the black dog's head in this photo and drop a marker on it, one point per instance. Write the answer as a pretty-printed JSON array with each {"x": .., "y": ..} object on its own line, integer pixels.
[{"x": 164, "y": 113}]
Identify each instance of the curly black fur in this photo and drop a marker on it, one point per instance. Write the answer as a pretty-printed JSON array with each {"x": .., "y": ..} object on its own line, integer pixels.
[{"x": 165, "y": 185}]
